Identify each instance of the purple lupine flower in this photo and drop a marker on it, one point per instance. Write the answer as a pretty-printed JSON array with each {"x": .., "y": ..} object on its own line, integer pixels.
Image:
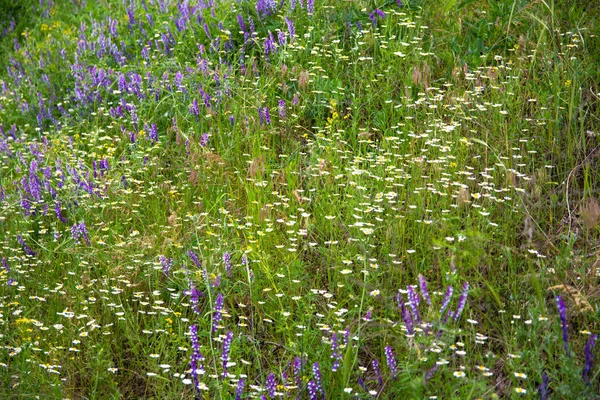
[
  {"x": 562, "y": 311},
  {"x": 226, "y": 348},
  {"x": 239, "y": 391},
  {"x": 377, "y": 370},
  {"x": 282, "y": 109},
  {"x": 227, "y": 262},
  {"x": 447, "y": 298},
  {"x": 194, "y": 258},
  {"x": 336, "y": 354},
  {"x": 588, "y": 352},
  {"x": 413, "y": 302},
  {"x": 218, "y": 309},
  {"x": 424, "y": 291},
  {"x": 391, "y": 361},
  {"x": 462, "y": 301},
  {"x": 312, "y": 390},
  {"x": 196, "y": 362},
  {"x": 271, "y": 384},
  {"x": 204, "y": 140},
  {"x": 166, "y": 264},
  {"x": 408, "y": 321},
  {"x": 318, "y": 378},
  {"x": 291, "y": 29}
]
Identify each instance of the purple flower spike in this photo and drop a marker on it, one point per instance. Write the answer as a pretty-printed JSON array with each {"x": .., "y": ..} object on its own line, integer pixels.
[
  {"x": 413, "y": 302},
  {"x": 312, "y": 390},
  {"x": 462, "y": 301},
  {"x": 447, "y": 298},
  {"x": 318, "y": 378},
  {"x": 226, "y": 348},
  {"x": 391, "y": 361},
  {"x": 424, "y": 291},
  {"x": 166, "y": 264},
  {"x": 271, "y": 385},
  {"x": 377, "y": 370},
  {"x": 204, "y": 140},
  {"x": 194, "y": 258},
  {"x": 562, "y": 311},
  {"x": 408, "y": 321},
  {"x": 239, "y": 391},
  {"x": 196, "y": 360},
  {"x": 588, "y": 352},
  {"x": 336, "y": 354},
  {"x": 227, "y": 262},
  {"x": 543, "y": 389},
  {"x": 218, "y": 310},
  {"x": 430, "y": 373},
  {"x": 297, "y": 368}
]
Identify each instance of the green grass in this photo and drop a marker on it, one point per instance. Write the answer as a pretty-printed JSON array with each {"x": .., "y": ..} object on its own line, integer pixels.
[{"x": 457, "y": 142}]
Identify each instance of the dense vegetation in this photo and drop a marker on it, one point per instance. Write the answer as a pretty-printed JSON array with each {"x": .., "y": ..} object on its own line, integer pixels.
[{"x": 304, "y": 199}]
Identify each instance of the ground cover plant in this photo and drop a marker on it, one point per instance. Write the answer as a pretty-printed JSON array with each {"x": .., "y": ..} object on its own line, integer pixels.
[{"x": 299, "y": 199}]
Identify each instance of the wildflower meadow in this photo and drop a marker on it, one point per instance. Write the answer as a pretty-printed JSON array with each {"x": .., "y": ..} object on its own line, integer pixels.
[{"x": 303, "y": 199}]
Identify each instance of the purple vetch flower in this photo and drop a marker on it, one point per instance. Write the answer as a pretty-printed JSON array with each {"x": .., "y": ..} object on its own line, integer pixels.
[
  {"x": 239, "y": 391},
  {"x": 430, "y": 373},
  {"x": 368, "y": 316},
  {"x": 406, "y": 317},
  {"x": 226, "y": 348},
  {"x": 310, "y": 7},
  {"x": 297, "y": 369},
  {"x": 413, "y": 302},
  {"x": 562, "y": 311},
  {"x": 218, "y": 309},
  {"x": 446, "y": 300},
  {"x": 153, "y": 133},
  {"x": 462, "y": 301},
  {"x": 194, "y": 110},
  {"x": 78, "y": 231},
  {"x": 194, "y": 258},
  {"x": 194, "y": 294},
  {"x": 391, "y": 361},
  {"x": 543, "y": 389},
  {"x": 318, "y": 378},
  {"x": 312, "y": 390},
  {"x": 291, "y": 29},
  {"x": 424, "y": 291},
  {"x": 196, "y": 362},
  {"x": 282, "y": 109},
  {"x": 227, "y": 262},
  {"x": 336, "y": 354},
  {"x": 399, "y": 2},
  {"x": 5, "y": 264},
  {"x": 166, "y": 264},
  {"x": 588, "y": 352},
  {"x": 271, "y": 385},
  {"x": 281, "y": 38},
  {"x": 58, "y": 213},
  {"x": 377, "y": 371},
  {"x": 10, "y": 282},
  {"x": 204, "y": 140}
]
